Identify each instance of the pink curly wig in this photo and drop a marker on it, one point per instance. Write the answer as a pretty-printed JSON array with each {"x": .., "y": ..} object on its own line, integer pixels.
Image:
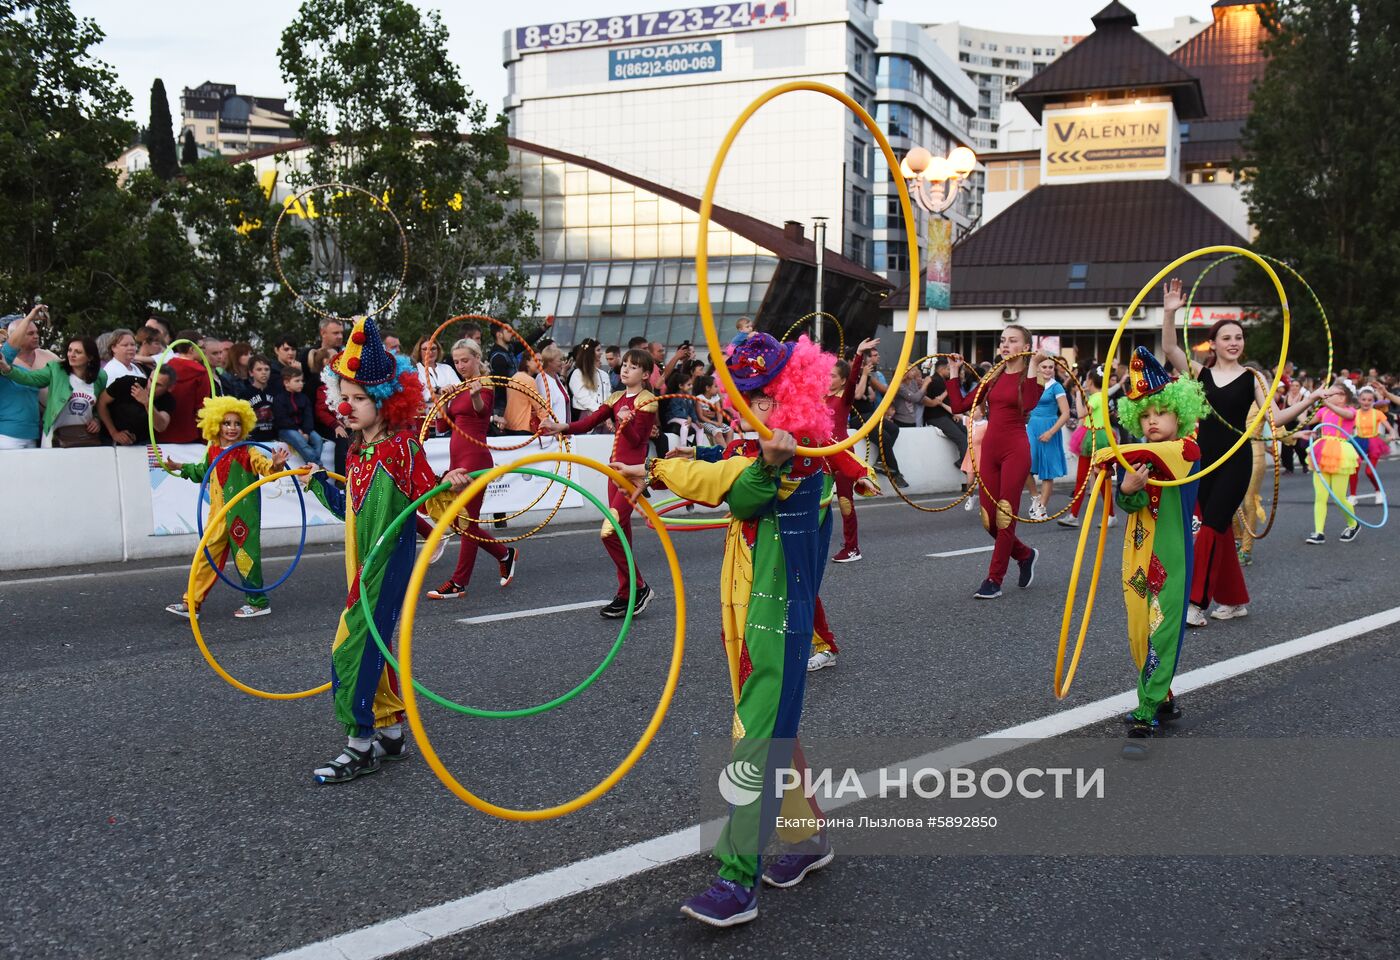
[{"x": 800, "y": 389}]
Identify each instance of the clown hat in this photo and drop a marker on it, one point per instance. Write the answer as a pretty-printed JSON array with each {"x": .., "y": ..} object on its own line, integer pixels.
[
  {"x": 364, "y": 359},
  {"x": 1146, "y": 375},
  {"x": 756, "y": 360}
]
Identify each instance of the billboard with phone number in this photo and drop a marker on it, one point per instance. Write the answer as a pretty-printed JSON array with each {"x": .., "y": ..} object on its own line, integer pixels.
[{"x": 665, "y": 60}]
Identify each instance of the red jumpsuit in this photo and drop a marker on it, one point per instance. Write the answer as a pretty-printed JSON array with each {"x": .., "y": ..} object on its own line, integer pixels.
[
  {"x": 845, "y": 487},
  {"x": 467, "y": 455},
  {"x": 635, "y": 415},
  {"x": 1004, "y": 461}
]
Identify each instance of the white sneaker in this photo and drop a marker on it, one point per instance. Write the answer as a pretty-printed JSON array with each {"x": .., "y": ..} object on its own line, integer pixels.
[
  {"x": 1195, "y": 525},
  {"x": 440, "y": 549},
  {"x": 179, "y": 609},
  {"x": 1195, "y": 617},
  {"x": 248, "y": 610},
  {"x": 1113, "y": 519},
  {"x": 970, "y": 503},
  {"x": 1351, "y": 499},
  {"x": 819, "y": 660},
  {"x": 1068, "y": 520},
  {"x": 1037, "y": 509},
  {"x": 1227, "y": 612}
]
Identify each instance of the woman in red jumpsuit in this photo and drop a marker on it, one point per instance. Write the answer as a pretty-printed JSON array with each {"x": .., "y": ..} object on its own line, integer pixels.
[
  {"x": 470, "y": 413},
  {"x": 1005, "y": 460}
]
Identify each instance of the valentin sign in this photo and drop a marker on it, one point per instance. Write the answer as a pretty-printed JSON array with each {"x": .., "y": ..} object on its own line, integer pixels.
[{"x": 1134, "y": 141}]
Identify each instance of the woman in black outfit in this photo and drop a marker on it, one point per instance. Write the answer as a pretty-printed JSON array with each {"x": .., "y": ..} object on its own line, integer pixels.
[{"x": 1231, "y": 388}]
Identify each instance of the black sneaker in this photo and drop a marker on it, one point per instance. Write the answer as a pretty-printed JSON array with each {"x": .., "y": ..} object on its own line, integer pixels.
[
  {"x": 989, "y": 590},
  {"x": 390, "y": 748},
  {"x": 508, "y": 566},
  {"x": 1349, "y": 534},
  {"x": 350, "y": 764},
  {"x": 1135, "y": 747},
  {"x": 1317, "y": 538},
  {"x": 617, "y": 609},
  {"x": 1028, "y": 569},
  {"x": 1169, "y": 711}
]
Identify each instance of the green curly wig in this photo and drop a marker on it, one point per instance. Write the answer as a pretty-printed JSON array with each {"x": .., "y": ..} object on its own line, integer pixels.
[{"x": 1184, "y": 397}]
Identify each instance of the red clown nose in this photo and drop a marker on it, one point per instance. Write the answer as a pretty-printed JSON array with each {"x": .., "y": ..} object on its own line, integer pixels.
[{"x": 344, "y": 408}]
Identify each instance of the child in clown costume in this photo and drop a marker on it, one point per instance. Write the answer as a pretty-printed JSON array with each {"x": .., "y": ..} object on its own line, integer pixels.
[
  {"x": 225, "y": 421},
  {"x": 775, "y": 553},
  {"x": 378, "y": 396},
  {"x": 1157, "y": 549}
]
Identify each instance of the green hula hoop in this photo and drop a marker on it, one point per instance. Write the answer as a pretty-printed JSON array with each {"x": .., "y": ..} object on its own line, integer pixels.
[
  {"x": 563, "y": 698},
  {"x": 1317, "y": 302},
  {"x": 151, "y": 396}
]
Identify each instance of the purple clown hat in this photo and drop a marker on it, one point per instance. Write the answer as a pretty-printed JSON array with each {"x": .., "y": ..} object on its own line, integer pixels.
[{"x": 756, "y": 360}]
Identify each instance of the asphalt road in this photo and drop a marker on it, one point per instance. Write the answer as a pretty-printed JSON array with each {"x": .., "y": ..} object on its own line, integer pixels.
[{"x": 154, "y": 811}]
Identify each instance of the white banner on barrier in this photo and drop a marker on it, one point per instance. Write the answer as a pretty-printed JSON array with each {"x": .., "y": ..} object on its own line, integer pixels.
[{"x": 173, "y": 499}]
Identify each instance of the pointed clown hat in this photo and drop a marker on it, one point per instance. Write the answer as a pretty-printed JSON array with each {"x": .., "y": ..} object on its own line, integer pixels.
[
  {"x": 756, "y": 360},
  {"x": 1146, "y": 375},
  {"x": 364, "y": 359}
]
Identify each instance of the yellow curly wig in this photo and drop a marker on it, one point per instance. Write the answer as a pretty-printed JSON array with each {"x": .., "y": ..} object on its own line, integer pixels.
[{"x": 213, "y": 411}]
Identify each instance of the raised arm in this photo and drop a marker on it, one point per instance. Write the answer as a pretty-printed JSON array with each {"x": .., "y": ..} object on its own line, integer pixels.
[{"x": 1172, "y": 301}]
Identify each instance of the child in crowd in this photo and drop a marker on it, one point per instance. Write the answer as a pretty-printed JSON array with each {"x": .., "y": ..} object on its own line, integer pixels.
[
  {"x": 976, "y": 429},
  {"x": 634, "y": 410},
  {"x": 378, "y": 396},
  {"x": 745, "y": 327},
  {"x": 678, "y": 414},
  {"x": 1095, "y": 422},
  {"x": 224, "y": 421},
  {"x": 710, "y": 412},
  {"x": 775, "y": 554},
  {"x": 291, "y": 414},
  {"x": 1157, "y": 552},
  {"x": 260, "y": 396}
]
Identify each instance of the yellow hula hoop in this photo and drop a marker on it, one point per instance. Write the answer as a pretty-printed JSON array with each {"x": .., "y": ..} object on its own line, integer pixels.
[
  {"x": 702, "y": 264},
  {"x": 1062, "y": 678},
  {"x": 215, "y": 523},
  {"x": 410, "y": 610},
  {"x": 375, "y": 201},
  {"x": 1278, "y": 366},
  {"x": 840, "y": 330}
]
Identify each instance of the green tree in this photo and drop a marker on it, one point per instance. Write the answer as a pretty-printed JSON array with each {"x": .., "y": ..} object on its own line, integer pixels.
[
  {"x": 63, "y": 222},
  {"x": 189, "y": 152},
  {"x": 161, "y": 136},
  {"x": 383, "y": 107},
  {"x": 1323, "y": 154}
]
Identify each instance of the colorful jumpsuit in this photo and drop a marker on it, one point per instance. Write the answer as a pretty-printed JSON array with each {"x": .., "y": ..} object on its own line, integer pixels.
[
  {"x": 467, "y": 455},
  {"x": 384, "y": 478},
  {"x": 1005, "y": 462},
  {"x": 1157, "y": 560},
  {"x": 1337, "y": 463},
  {"x": 775, "y": 554},
  {"x": 635, "y": 414},
  {"x": 240, "y": 532}
]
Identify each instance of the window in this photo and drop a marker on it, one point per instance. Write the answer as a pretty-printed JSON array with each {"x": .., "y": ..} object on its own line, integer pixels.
[
  {"x": 860, "y": 204},
  {"x": 209, "y": 130},
  {"x": 897, "y": 261},
  {"x": 860, "y": 158},
  {"x": 857, "y": 249},
  {"x": 1078, "y": 275}
]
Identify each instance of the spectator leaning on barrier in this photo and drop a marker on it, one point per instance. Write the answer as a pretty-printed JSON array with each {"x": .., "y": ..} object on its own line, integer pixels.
[
  {"x": 260, "y": 395},
  {"x": 589, "y": 385},
  {"x": 73, "y": 385},
  {"x": 291, "y": 415},
  {"x": 19, "y": 404},
  {"x": 122, "y": 404}
]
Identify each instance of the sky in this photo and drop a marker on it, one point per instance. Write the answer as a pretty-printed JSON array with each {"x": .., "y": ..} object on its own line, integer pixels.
[{"x": 186, "y": 42}]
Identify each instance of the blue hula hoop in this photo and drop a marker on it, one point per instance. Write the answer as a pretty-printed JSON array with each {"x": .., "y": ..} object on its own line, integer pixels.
[
  {"x": 199, "y": 520},
  {"x": 1346, "y": 436}
]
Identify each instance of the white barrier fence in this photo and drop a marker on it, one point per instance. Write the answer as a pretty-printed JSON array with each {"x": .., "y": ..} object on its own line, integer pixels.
[{"x": 94, "y": 505}]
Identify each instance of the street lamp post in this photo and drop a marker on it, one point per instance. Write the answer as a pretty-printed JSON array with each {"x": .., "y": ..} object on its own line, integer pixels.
[{"x": 934, "y": 182}]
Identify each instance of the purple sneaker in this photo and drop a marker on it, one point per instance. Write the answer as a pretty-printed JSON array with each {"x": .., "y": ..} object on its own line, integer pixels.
[
  {"x": 725, "y": 904},
  {"x": 791, "y": 868}
]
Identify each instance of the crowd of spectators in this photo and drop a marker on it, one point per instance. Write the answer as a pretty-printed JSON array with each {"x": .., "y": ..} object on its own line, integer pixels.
[{"x": 99, "y": 391}]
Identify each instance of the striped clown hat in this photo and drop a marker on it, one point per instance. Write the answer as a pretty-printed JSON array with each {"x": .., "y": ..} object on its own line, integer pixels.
[{"x": 364, "y": 359}]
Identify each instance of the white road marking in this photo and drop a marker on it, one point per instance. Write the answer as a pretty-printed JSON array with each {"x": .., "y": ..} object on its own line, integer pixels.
[
  {"x": 536, "y": 612},
  {"x": 962, "y": 553},
  {"x": 457, "y": 916},
  {"x": 137, "y": 568}
]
